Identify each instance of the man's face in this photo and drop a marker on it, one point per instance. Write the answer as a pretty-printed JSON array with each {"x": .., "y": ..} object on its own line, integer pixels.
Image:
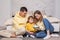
[{"x": 23, "y": 14}]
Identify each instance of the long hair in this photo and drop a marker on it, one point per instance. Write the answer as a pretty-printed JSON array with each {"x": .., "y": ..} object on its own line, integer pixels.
[{"x": 38, "y": 12}]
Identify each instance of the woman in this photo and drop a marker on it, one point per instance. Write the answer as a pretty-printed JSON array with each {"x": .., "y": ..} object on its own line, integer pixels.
[{"x": 44, "y": 25}]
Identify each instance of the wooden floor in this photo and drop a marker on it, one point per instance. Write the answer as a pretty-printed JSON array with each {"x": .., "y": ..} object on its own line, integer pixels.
[{"x": 52, "y": 38}]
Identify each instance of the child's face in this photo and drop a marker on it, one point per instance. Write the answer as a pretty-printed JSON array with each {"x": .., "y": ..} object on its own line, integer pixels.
[
  {"x": 31, "y": 20},
  {"x": 35, "y": 21}
]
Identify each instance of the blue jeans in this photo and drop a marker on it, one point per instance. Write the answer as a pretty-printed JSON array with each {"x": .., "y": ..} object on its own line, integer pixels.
[
  {"x": 40, "y": 34},
  {"x": 48, "y": 26}
]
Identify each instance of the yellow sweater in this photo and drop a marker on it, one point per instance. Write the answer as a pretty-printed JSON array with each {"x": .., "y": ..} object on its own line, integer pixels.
[
  {"x": 29, "y": 27},
  {"x": 19, "y": 21},
  {"x": 41, "y": 25}
]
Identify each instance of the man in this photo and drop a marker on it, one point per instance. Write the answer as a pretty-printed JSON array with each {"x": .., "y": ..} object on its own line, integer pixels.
[{"x": 19, "y": 22}]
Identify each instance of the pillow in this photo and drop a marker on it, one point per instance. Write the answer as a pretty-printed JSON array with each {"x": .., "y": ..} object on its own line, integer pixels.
[{"x": 53, "y": 19}]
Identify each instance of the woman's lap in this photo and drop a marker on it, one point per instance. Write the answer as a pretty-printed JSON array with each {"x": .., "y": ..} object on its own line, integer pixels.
[{"x": 41, "y": 34}]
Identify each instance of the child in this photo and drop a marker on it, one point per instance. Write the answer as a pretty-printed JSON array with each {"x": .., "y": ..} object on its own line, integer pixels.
[
  {"x": 30, "y": 27},
  {"x": 36, "y": 27}
]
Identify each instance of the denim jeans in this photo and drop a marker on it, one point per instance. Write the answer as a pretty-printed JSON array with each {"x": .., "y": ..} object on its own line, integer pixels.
[{"x": 48, "y": 26}]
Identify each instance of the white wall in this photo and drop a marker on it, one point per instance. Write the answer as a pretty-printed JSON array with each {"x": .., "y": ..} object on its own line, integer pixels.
[
  {"x": 32, "y": 5},
  {"x": 51, "y": 7},
  {"x": 57, "y": 6},
  {"x": 5, "y": 9}
]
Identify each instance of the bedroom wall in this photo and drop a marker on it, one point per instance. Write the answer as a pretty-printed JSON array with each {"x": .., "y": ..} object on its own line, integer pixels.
[
  {"x": 51, "y": 7},
  {"x": 9, "y": 7},
  {"x": 5, "y": 10},
  {"x": 57, "y": 3},
  {"x": 32, "y": 5}
]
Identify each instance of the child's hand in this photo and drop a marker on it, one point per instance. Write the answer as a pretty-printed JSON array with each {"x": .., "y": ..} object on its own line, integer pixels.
[{"x": 31, "y": 32}]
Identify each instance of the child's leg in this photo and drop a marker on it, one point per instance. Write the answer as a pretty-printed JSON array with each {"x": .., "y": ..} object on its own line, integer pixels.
[{"x": 27, "y": 33}]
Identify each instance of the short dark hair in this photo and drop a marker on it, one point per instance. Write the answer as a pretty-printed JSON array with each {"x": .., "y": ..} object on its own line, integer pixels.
[{"x": 23, "y": 9}]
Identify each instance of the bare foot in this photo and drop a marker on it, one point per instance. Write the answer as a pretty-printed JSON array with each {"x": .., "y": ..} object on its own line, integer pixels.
[
  {"x": 47, "y": 37},
  {"x": 13, "y": 35}
]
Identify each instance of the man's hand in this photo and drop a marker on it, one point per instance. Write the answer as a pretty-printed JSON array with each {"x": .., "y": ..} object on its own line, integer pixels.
[{"x": 31, "y": 32}]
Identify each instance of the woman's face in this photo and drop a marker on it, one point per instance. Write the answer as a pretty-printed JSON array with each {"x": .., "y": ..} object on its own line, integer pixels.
[{"x": 37, "y": 16}]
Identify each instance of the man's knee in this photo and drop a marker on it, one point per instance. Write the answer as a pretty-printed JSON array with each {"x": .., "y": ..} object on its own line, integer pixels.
[{"x": 21, "y": 31}]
